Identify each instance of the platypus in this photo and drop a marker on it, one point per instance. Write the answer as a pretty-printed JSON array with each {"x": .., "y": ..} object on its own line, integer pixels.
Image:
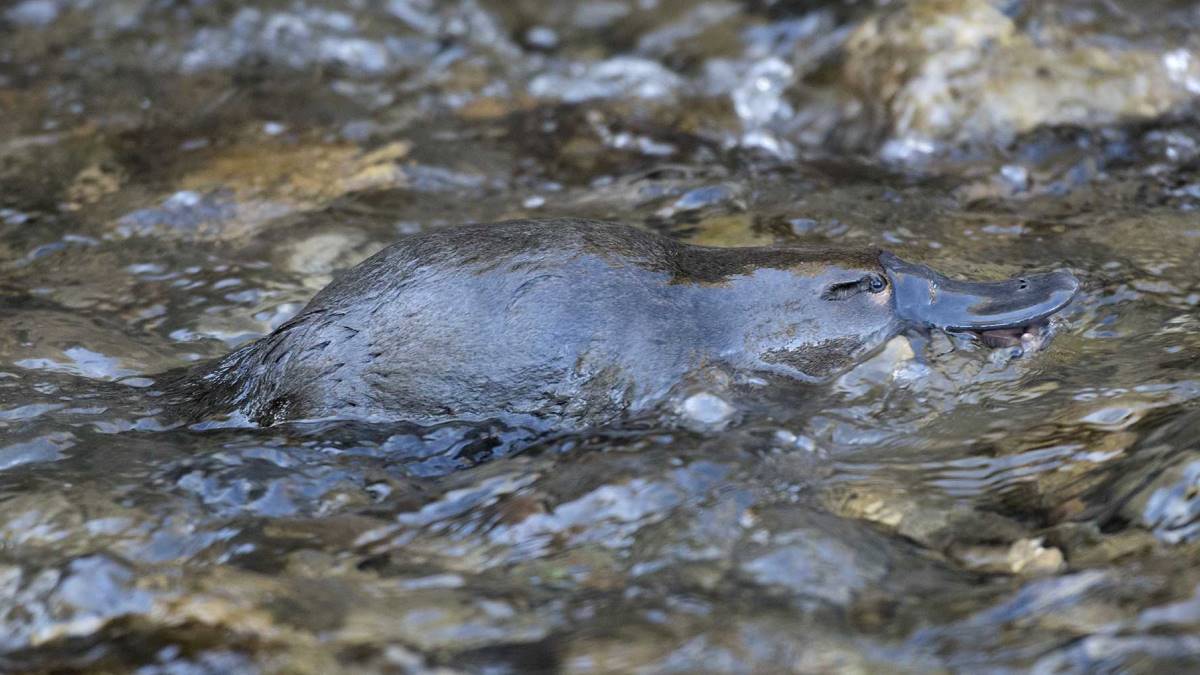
[{"x": 579, "y": 321}]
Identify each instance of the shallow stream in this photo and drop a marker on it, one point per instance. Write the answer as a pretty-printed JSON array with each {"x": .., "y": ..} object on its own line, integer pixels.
[{"x": 177, "y": 178}]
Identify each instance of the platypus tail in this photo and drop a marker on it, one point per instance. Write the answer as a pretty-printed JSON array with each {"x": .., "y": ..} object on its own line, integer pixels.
[
  {"x": 204, "y": 390},
  {"x": 244, "y": 383}
]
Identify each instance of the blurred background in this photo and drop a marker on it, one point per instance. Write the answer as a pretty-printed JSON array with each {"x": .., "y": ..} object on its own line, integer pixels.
[{"x": 178, "y": 177}]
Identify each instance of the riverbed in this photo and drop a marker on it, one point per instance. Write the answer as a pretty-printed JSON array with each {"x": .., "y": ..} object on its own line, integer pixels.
[{"x": 178, "y": 179}]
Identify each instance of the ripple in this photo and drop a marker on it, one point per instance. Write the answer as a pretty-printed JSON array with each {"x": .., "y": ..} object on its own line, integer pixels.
[
  {"x": 46, "y": 448},
  {"x": 83, "y": 362}
]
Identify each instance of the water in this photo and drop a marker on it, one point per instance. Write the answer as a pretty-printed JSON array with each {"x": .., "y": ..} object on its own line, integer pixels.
[{"x": 176, "y": 180}]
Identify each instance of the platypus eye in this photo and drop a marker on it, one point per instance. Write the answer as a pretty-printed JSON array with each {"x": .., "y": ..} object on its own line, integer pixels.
[{"x": 872, "y": 283}]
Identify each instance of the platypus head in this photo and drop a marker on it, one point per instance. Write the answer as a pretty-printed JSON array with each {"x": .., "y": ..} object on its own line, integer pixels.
[
  {"x": 841, "y": 307},
  {"x": 831, "y": 308}
]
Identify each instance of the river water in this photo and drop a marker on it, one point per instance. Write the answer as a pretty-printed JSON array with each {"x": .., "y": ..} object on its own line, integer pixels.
[{"x": 177, "y": 178}]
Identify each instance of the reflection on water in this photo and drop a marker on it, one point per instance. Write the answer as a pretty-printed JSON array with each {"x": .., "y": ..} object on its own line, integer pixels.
[{"x": 177, "y": 179}]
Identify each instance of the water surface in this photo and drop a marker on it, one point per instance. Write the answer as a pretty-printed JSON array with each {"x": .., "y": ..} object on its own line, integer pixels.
[{"x": 179, "y": 178}]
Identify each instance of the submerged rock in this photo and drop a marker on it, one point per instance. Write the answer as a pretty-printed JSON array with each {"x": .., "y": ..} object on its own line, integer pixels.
[{"x": 959, "y": 71}]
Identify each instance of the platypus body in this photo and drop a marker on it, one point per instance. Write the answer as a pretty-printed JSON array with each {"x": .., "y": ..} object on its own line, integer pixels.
[{"x": 578, "y": 321}]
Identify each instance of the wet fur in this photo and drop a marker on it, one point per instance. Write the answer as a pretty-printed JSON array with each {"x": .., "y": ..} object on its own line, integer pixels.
[{"x": 565, "y": 319}]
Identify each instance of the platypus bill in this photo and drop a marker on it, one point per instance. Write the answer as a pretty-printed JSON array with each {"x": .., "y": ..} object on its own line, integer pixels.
[{"x": 577, "y": 321}]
